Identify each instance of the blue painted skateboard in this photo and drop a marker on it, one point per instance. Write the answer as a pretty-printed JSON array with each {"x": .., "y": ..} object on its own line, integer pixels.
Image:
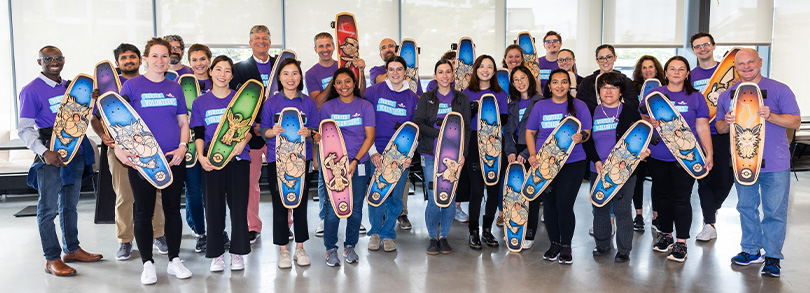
[
  {"x": 490, "y": 139},
  {"x": 503, "y": 79},
  {"x": 106, "y": 78},
  {"x": 191, "y": 90},
  {"x": 526, "y": 42},
  {"x": 446, "y": 166},
  {"x": 272, "y": 86},
  {"x": 551, "y": 157},
  {"x": 72, "y": 118},
  {"x": 464, "y": 60},
  {"x": 409, "y": 52},
  {"x": 291, "y": 158},
  {"x": 620, "y": 163},
  {"x": 648, "y": 85},
  {"x": 399, "y": 148},
  {"x": 677, "y": 135},
  {"x": 515, "y": 207}
]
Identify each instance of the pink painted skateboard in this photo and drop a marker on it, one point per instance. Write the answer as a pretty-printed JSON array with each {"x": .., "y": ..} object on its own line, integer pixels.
[{"x": 335, "y": 164}]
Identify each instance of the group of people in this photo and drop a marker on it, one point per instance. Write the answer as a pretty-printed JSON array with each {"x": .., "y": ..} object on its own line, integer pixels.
[{"x": 606, "y": 102}]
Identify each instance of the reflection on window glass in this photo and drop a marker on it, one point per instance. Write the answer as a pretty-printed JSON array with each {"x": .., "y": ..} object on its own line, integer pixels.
[
  {"x": 239, "y": 53},
  {"x": 627, "y": 57}
]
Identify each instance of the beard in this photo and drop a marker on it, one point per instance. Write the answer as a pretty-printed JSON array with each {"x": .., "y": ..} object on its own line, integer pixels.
[
  {"x": 389, "y": 55},
  {"x": 175, "y": 58}
]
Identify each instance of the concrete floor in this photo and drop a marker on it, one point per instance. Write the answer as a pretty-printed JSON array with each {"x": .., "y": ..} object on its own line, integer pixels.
[{"x": 410, "y": 270}]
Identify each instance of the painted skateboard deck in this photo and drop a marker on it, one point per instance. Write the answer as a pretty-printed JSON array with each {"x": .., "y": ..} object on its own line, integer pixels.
[
  {"x": 526, "y": 42},
  {"x": 105, "y": 78},
  {"x": 191, "y": 90},
  {"x": 551, "y": 157},
  {"x": 747, "y": 133},
  {"x": 621, "y": 162},
  {"x": 410, "y": 52},
  {"x": 291, "y": 158},
  {"x": 332, "y": 153},
  {"x": 72, "y": 118},
  {"x": 503, "y": 79},
  {"x": 515, "y": 207},
  {"x": 722, "y": 79},
  {"x": 347, "y": 44},
  {"x": 171, "y": 74},
  {"x": 648, "y": 85},
  {"x": 235, "y": 123},
  {"x": 677, "y": 135},
  {"x": 131, "y": 133},
  {"x": 464, "y": 60},
  {"x": 490, "y": 139},
  {"x": 446, "y": 167},
  {"x": 399, "y": 148},
  {"x": 272, "y": 86}
]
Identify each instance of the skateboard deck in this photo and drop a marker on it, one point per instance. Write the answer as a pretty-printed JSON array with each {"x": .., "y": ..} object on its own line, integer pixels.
[
  {"x": 132, "y": 134},
  {"x": 171, "y": 74},
  {"x": 722, "y": 79},
  {"x": 191, "y": 90},
  {"x": 410, "y": 52},
  {"x": 272, "y": 86},
  {"x": 464, "y": 60},
  {"x": 446, "y": 167},
  {"x": 399, "y": 148},
  {"x": 235, "y": 123},
  {"x": 526, "y": 42},
  {"x": 332, "y": 153},
  {"x": 291, "y": 158},
  {"x": 648, "y": 85},
  {"x": 348, "y": 47},
  {"x": 747, "y": 133},
  {"x": 515, "y": 207},
  {"x": 105, "y": 79},
  {"x": 551, "y": 157},
  {"x": 503, "y": 79},
  {"x": 490, "y": 139},
  {"x": 72, "y": 118},
  {"x": 677, "y": 135},
  {"x": 621, "y": 162}
]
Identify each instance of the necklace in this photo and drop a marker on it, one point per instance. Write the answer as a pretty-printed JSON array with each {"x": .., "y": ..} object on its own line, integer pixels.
[{"x": 614, "y": 119}]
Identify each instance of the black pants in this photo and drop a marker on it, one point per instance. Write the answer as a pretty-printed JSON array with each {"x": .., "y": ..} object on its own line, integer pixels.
[
  {"x": 714, "y": 188},
  {"x": 620, "y": 204},
  {"x": 672, "y": 189},
  {"x": 280, "y": 228},
  {"x": 638, "y": 193},
  {"x": 144, "y": 194},
  {"x": 472, "y": 183},
  {"x": 230, "y": 186},
  {"x": 558, "y": 202}
]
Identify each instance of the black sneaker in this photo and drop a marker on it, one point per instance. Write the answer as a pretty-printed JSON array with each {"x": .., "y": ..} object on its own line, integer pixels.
[
  {"x": 599, "y": 251},
  {"x": 227, "y": 240},
  {"x": 433, "y": 246},
  {"x": 565, "y": 255},
  {"x": 655, "y": 227},
  {"x": 444, "y": 246},
  {"x": 253, "y": 236},
  {"x": 475, "y": 241},
  {"x": 772, "y": 267},
  {"x": 638, "y": 224},
  {"x": 664, "y": 243},
  {"x": 622, "y": 258},
  {"x": 201, "y": 243},
  {"x": 553, "y": 252},
  {"x": 489, "y": 239},
  {"x": 678, "y": 252}
]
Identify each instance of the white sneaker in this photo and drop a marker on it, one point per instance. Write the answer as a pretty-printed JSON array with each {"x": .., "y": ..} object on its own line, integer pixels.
[
  {"x": 319, "y": 231},
  {"x": 177, "y": 269},
  {"x": 284, "y": 261},
  {"x": 237, "y": 262},
  {"x": 362, "y": 229},
  {"x": 301, "y": 258},
  {"x": 590, "y": 231},
  {"x": 708, "y": 233},
  {"x": 148, "y": 276},
  {"x": 542, "y": 218},
  {"x": 218, "y": 264},
  {"x": 527, "y": 244}
]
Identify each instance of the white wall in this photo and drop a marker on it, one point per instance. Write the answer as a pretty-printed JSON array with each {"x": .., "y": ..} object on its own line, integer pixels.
[{"x": 790, "y": 41}]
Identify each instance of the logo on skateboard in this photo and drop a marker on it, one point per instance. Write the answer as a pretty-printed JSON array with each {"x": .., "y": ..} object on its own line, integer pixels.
[
  {"x": 747, "y": 173},
  {"x": 217, "y": 158},
  {"x": 697, "y": 167},
  {"x": 530, "y": 189},
  {"x": 188, "y": 157},
  {"x": 62, "y": 153},
  {"x": 291, "y": 196},
  {"x": 375, "y": 196},
  {"x": 444, "y": 196},
  {"x": 160, "y": 176},
  {"x": 514, "y": 241},
  {"x": 600, "y": 195},
  {"x": 343, "y": 206},
  {"x": 491, "y": 175}
]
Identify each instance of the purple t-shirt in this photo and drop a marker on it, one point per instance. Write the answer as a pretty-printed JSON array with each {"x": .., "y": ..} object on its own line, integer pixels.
[
  {"x": 545, "y": 70},
  {"x": 351, "y": 118},
  {"x": 376, "y": 71},
  {"x": 445, "y": 106},
  {"x": 434, "y": 84},
  {"x": 158, "y": 104},
  {"x": 207, "y": 111},
  {"x": 122, "y": 79},
  {"x": 700, "y": 78},
  {"x": 605, "y": 121},
  {"x": 391, "y": 107},
  {"x": 546, "y": 115},
  {"x": 318, "y": 77},
  {"x": 503, "y": 103},
  {"x": 184, "y": 70},
  {"x": 39, "y": 101},
  {"x": 781, "y": 100},
  {"x": 273, "y": 107},
  {"x": 205, "y": 85},
  {"x": 265, "y": 69},
  {"x": 691, "y": 107}
]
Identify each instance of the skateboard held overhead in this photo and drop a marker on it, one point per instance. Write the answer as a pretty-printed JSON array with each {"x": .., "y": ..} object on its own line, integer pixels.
[
  {"x": 677, "y": 135},
  {"x": 551, "y": 157},
  {"x": 399, "y": 148},
  {"x": 236, "y": 122},
  {"x": 621, "y": 162},
  {"x": 526, "y": 42},
  {"x": 410, "y": 52},
  {"x": 747, "y": 133},
  {"x": 335, "y": 161},
  {"x": 72, "y": 118},
  {"x": 347, "y": 44},
  {"x": 464, "y": 60},
  {"x": 447, "y": 162}
]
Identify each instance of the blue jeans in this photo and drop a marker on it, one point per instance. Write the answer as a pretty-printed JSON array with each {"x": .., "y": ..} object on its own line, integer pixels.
[
  {"x": 195, "y": 210},
  {"x": 331, "y": 222},
  {"x": 769, "y": 233},
  {"x": 384, "y": 217},
  {"x": 322, "y": 194},
  {"x": 436, "y": 218},
  {"x": 54, "y": 197}
]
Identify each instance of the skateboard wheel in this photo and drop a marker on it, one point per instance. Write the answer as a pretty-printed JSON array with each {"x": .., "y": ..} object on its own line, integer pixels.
[
  {"x": 217, "y": 158},
  {"x": 343, "y": 207},
  {"x": 746, "y": 173},
  {"x": 160, "y": 176}
]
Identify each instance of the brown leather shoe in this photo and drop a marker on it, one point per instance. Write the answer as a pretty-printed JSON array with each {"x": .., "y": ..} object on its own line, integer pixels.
[
  {"x": 59, "y": 268},
  {"x": 81, "y": 255}
]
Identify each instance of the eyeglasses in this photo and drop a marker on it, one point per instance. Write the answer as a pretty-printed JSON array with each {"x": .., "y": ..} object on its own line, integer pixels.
[
  {"x": 389, "y": 46},
  {"x": 50, "y": 59},
  {"x": 704, "y": 45},
  {"x": 177, "y": 48},
  {"x": 565, "y": 60},
  {"x": 552, "y": 41},
  {"x": 604, "y": 59},
  {"x": 610, "y": 88}
]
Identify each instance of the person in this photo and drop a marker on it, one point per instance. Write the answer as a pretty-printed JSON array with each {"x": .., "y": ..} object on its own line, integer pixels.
[
  {"x": 39, "y": 102},
  {"x": 715, "y": 187},
  {"x": 512, "y": 57},
  {"x": 566, "y": 60},
  {"x": 671, "y": 184},
  {"x": 552, "y": 42},
  {"x": 772, "y": 189},
  {"x": 128, "y": 60},
  {"x": 258, "y": 67},
  {"x": 231, "y": 180},
  {"x": 522, "y": 97},
  {"x": 356, "y": 119},
  {"x": 647, "y": 67},
  {"x": 431, "y": 109},
  {"x": 611, "y": 121},
  {"x": 290, "y": 81},
  {"x": 559, "y": 197},
  {"x": 178, "y": 48},
  {"x": 199, "y": 56},
  {"x": 586, "y": 90},
  {"x": 484, "y": 81},
  {"x": 449, "y": 56},
  {"x": 394, "y": 103},
  {"x": 162, "y": 107}
]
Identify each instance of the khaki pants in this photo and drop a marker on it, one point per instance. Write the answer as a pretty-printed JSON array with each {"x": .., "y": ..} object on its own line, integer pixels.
[{"x": 123, "y": 203}]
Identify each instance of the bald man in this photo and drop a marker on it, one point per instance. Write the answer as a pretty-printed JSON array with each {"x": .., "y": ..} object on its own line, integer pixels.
[
  {"x": 771, "y": 190},
  {"x": 388, "y": 49}
]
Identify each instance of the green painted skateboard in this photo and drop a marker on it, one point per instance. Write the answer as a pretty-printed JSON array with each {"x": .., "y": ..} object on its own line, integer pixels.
[
  {"x": 191, "y": 90},
  {"x": 236, "y": 122}
]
